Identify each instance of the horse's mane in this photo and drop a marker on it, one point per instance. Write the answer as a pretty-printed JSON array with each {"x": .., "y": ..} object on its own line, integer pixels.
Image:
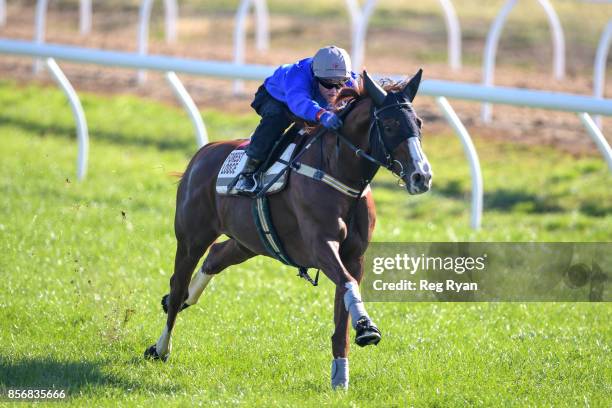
[{"x": 355, "y": 94}]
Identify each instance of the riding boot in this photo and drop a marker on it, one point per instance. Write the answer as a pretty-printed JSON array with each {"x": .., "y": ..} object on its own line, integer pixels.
[{"x": 247, "y": 182}]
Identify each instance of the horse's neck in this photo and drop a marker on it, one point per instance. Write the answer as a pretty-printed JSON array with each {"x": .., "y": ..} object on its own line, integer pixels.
[{"x": 341, "y": 161}]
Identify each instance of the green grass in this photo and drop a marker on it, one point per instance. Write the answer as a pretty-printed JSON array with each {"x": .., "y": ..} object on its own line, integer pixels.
[{"x": 83, "y": 266}]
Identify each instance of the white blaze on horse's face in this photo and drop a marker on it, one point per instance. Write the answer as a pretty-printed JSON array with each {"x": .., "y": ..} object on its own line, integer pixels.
[{"x": 418, "y": 177}]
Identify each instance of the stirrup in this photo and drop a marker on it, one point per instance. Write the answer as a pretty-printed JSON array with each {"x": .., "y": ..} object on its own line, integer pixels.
[{"x": 240, "y": 187}]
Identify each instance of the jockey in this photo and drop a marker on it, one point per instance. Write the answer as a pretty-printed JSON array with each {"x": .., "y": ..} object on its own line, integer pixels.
[{"x": 305, "y": 89}]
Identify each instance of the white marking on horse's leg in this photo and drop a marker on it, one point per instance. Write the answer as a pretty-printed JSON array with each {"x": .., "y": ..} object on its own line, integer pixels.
[
  {"x": 353, "y": 303},
  {"x": 197, "y": 286},
  {"x": 340, "y": 373},
  {"x": 164, "y": 344}
]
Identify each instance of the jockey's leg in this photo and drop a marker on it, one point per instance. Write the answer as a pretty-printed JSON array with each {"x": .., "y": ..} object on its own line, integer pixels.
[
  {"x": 273, "y": 123},
  {"x": 274, "y": 120}
]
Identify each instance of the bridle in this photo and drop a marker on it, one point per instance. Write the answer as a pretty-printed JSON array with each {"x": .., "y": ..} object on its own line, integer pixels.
[{"x": 380, "y": 152}]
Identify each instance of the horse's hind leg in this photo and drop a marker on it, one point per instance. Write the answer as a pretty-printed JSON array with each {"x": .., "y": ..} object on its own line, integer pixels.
[
  {"x": 187, "y": 257},
  {"x": 220, "y": 256},
  {"x": 184, "y": 293}
]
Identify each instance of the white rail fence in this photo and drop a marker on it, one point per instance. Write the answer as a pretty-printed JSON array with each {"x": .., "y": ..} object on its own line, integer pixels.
[
  {"x": 262, "y": 30},
  {"x": 488, "y": 67},
  {"x": 144, "y": 18},
  {"x": 599, "y": 68},
  {"x": 360, "y": 19},
  {"x": 85, "y": 24},
  {"x": 584, "y": 106}
]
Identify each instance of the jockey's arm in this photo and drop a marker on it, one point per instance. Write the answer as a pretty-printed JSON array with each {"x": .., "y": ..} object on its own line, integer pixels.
[{"x": 298, "y": 95}]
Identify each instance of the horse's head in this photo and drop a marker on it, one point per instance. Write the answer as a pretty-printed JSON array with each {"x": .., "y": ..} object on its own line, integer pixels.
[{"x": 395, "y": 133}]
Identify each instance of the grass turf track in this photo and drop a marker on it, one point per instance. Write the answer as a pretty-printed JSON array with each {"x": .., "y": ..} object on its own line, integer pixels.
[{"x": 83, "y": 267}]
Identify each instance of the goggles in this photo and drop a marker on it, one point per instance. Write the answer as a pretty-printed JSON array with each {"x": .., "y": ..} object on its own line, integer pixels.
[{"x": 332, "y": 83}]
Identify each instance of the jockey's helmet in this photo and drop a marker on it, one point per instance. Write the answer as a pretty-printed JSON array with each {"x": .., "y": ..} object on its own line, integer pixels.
[{"x": 332, "y": 63}]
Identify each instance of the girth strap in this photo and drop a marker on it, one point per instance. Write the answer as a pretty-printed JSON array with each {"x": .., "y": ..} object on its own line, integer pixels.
[
  {"x": 273, "y": 244},
  {"x": 320, "y": 175},
  {"x": 267, "y": 232}
]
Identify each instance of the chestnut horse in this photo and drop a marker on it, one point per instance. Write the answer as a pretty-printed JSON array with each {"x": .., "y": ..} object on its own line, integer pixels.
[{"x": 320, "y": 226}]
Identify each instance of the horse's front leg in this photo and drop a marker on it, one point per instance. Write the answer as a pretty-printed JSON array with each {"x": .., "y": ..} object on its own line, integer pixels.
[
  {"x": 347, "y": 303},
  {"x": 340, "y": 343}
]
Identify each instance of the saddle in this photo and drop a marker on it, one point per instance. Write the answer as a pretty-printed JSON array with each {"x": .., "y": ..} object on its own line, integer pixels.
[{"x": 284, "y": 150}]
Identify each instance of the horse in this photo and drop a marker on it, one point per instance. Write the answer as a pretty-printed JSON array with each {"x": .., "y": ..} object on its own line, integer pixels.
[{"x": 381, "y": 129}]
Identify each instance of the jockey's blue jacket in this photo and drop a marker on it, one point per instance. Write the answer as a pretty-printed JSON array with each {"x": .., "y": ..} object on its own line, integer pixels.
[{"x": 296, "y": 86}]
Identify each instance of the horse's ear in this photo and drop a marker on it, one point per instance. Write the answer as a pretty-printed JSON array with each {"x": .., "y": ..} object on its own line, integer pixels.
[
  {"x": 412, "y": 87},
  {"x": 376, "y": 92}
]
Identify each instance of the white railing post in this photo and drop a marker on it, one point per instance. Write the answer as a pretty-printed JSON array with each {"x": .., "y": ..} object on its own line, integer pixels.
[
  {"x": 558, "y": 39},
  {"x": 85, "y": 17},
  {"x": 598, "y": 137},
  {"x": 488, "y": 67},
  {"x": 472, "y": 156},
  {"x": 599, "y": 67},
  {"x": 354, "y": 11},
  {"x": 240, "y": 40},
  {"x": 2, "y": 13},
  {"x": 453, "y": 29},
  {"x": 358, "y": 48},
  {"x": 262, "y": 33},
  {"x": 360, "y": 19},
  {"x": 77, "y": 112},
  {"x": 144, "y": 20},
  {"x": 190, "y": 106},
  {"x": 143, "y": 35},
  {"x": 40, "y": 19},
  {"x": 171, "y": 16}
]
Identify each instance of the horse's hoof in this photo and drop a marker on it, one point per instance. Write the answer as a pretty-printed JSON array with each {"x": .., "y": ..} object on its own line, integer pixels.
[
  {"x": 367, "y": 333},
  {"x": 151, "y": 354}
]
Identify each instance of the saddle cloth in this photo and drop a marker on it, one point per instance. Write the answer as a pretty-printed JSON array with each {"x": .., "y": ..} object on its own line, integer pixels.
[{"x": 234, "y": 163}]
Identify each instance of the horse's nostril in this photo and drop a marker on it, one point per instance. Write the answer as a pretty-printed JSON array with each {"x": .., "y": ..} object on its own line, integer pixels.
[{"x": 416, "y": 178}]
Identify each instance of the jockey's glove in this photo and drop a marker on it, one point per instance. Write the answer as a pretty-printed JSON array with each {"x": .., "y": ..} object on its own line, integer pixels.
[{"x": 330, "y": 120}]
